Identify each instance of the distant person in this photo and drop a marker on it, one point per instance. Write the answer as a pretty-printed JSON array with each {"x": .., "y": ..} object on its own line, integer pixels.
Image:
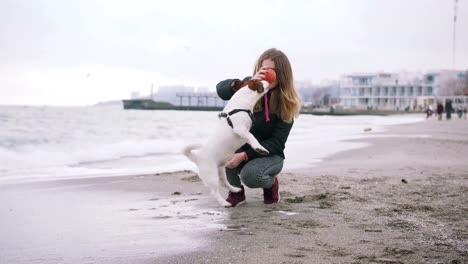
[
  {"x": 440, "y": 110},
  {"x": 448, "y": 109},
  {"x": 460, "y": 111},
  {"x": 464, "y": 112},
  {"x": 274, "y": 117},
  {"x": 429, "y": 112}
]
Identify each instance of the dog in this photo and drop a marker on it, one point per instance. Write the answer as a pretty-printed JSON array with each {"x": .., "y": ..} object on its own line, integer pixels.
[{"x": 232, "y": 132}]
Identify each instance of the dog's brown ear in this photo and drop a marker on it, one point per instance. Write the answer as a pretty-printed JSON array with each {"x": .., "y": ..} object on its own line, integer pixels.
[
  {"x": 256, "y": 85},
  {"x": 237, "y": 84}
]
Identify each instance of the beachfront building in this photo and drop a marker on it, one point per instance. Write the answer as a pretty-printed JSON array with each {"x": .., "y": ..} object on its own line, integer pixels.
[
  {"x": 402, "y": 91},
  {"x": 320, "y": 95}
]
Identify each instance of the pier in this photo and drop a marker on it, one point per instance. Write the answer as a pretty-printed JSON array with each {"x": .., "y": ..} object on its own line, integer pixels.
[{"x": 200, "y": 99}]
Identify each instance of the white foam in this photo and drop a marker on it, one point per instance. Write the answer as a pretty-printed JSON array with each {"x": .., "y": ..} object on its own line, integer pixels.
[{"x": 54, "y": 142}]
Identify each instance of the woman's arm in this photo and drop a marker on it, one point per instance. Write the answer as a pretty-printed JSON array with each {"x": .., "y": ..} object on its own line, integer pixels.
[
  {"x": 276, "y": 143},
  {"x": 225, "y": 90}
]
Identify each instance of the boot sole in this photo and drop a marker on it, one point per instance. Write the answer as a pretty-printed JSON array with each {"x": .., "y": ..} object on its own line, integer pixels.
[{"x": 241, "y": 203}]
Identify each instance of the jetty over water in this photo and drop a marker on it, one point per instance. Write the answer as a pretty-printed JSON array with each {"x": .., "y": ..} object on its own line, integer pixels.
[
  {"x": 187, "y": 101},
  {"x": 209, "y": 99}
]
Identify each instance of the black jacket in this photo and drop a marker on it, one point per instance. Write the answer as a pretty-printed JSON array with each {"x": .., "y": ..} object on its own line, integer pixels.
[{"x": 271, "y": 135}]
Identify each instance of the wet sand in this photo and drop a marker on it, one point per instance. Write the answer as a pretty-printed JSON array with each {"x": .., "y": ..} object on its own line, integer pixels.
[{"x": 402, "y": 199}]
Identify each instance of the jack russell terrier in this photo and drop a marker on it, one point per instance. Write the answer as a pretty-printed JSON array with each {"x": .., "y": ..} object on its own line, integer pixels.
[{"x": 232, "y": 132}]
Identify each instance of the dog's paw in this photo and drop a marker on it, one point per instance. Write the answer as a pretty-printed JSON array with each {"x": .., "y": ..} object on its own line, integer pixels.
[
  {"x": 226, "y": 204},
  {"x": 262, "y": 151}
]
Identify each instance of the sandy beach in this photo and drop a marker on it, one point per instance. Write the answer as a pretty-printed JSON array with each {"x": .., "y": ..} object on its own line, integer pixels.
[{"x": 401, "y": 199}]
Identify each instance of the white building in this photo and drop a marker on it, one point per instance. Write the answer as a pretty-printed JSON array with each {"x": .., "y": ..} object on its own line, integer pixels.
[
  {"x": 169, "y": 93},
  {"x": 401, "y": 91}
]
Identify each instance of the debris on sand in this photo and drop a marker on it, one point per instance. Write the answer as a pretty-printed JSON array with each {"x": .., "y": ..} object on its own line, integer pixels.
[{"x": 194, "y": 178}]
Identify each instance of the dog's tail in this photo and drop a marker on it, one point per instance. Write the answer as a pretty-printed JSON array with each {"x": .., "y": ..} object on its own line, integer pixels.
[{"x": 187, "y": 151}]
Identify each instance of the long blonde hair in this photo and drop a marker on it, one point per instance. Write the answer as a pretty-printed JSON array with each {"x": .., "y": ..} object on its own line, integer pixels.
[{"x": 284, "y": 100}]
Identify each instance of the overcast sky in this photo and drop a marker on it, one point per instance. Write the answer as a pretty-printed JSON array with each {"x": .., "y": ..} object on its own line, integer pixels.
[{"x": 62, "y": 52}]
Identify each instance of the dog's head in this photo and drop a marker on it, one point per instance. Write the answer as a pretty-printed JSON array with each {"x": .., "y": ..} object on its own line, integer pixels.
[{"x": 254, "y": 85}]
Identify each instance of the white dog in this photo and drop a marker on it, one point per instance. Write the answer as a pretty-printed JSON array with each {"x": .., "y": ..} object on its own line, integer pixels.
[{"x": 231, "y": 133}]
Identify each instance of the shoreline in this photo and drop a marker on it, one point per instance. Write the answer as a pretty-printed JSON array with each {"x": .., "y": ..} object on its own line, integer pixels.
[
  {"x": 401, "y": 199},
  {"x": 127, "y": 156},
  {"x": 352, "y": 207}
]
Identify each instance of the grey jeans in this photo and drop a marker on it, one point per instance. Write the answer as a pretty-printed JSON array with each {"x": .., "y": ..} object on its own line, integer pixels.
[{"x": 257, "y": 173}]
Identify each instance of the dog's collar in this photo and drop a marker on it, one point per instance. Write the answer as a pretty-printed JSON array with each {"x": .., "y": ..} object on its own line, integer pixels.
[{"x": 227, "y": 115}]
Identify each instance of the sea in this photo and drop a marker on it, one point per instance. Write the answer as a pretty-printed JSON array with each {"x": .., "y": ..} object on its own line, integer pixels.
[{"x": 43, "y": 142}]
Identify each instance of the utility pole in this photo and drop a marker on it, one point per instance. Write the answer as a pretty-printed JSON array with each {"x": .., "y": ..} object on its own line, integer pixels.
[{"x": 454, "y": 32}]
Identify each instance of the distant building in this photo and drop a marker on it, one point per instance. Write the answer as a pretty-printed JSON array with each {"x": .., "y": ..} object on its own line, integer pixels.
[
  {"x": 318, "y": 95},
  {"x": 135, "y": 95},
  {"x": 169, "y": 93},
  {"x": 401, "y": 91}
]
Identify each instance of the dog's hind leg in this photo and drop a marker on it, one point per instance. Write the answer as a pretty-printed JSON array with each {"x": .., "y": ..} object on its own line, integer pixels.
[
  {"x": 251, "y": 140},
  {"x": 209, "y": 176},
  {"x": 223, "y": 180},
  {"x": 217, "y": 195}
]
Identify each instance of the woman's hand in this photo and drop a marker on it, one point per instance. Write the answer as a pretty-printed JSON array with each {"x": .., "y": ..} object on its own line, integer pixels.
[
  {"x": 235, "y": 160},
  {"x": 260, "y": 75}
]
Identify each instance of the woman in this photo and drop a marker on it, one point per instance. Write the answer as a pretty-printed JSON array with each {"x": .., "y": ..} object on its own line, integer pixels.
[{"x": 274, "y": 115}]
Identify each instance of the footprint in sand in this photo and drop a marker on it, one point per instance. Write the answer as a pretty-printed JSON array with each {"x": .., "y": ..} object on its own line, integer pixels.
[
  {"x": 194, "y": 178},
  {"x": 187, "y": 217},
  {"x": 305, "y": 249},
  {"x": 160, "y": 217},
  {"x": 295, "y": 255},
  {"x": 245, "y": 233}
]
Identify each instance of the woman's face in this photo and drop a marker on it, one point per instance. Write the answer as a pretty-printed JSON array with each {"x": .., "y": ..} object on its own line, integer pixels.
[{"x": 268, "y": 63}]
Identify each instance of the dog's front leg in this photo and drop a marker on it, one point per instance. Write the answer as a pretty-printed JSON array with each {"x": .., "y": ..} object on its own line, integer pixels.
[{"x": 244, "y": 133}]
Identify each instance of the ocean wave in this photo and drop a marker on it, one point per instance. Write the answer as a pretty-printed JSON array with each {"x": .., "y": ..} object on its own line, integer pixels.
[{"x": 42, "y": 141}]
